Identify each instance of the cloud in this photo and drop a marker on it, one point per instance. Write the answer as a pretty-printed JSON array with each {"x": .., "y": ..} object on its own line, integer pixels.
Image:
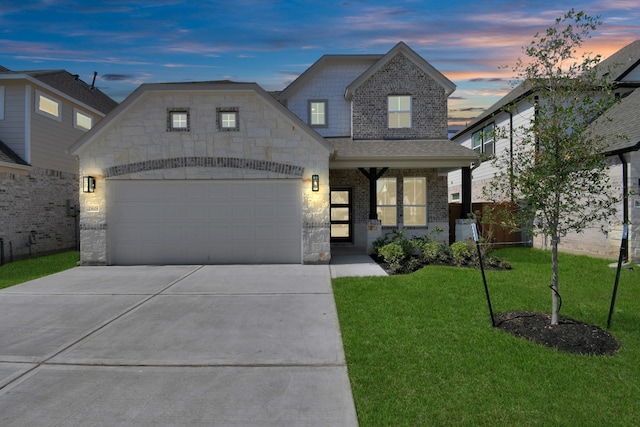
[{"x": 117, "y": 77}]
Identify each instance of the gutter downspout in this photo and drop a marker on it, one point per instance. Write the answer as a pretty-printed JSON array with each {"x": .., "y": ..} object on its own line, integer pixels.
[
  {"x": 511, "y": 156},
  {"x": 625, "y": 197}
]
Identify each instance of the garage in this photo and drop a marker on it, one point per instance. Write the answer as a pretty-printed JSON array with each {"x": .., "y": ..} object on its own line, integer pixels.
[{"x": 247, "y": 221}]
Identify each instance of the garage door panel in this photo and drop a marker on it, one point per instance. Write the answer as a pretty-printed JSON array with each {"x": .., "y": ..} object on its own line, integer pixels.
[{"x": 205, "y": 222}]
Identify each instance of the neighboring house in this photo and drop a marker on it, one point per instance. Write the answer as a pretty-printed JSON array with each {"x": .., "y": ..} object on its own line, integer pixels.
[
  {"x": 515, "y": 110},
  {"x": 223, "y": 172},
  {"x": 41, "y": 114}
]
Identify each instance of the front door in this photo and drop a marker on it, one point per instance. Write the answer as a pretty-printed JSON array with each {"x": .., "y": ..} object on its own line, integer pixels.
[{"x": 341, "y": 215}]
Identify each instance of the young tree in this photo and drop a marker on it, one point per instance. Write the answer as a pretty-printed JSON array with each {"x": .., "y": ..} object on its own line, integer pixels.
[{"x": 556, "y": 168}]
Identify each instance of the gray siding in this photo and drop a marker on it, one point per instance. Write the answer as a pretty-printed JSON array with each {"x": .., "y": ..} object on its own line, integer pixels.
[
  {"x": 50, "y": 138},
  {"x": 12, "y": 127}
]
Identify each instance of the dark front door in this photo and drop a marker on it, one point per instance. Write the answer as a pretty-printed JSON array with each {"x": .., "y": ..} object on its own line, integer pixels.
[{"x": 341, "y": 215}]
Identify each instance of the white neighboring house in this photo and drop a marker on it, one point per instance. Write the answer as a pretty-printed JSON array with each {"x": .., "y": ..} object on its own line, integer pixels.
[{"x": 515, "y": 110}]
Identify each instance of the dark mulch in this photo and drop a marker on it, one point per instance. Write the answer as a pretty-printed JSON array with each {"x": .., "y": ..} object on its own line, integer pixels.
[{"x": 569, "y": 335}]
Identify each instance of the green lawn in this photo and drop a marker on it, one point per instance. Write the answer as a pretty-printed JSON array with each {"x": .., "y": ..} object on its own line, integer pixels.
[
  {"x": 421, "y": 350},
  {"x": 21, "y": 271}
]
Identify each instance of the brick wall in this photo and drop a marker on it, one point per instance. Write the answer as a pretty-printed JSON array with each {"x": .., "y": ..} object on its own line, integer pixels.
[
  {"x": 399, "y": 76},
  {"x": 437, "y": 206},
  {"x": 37, "y": 202}
]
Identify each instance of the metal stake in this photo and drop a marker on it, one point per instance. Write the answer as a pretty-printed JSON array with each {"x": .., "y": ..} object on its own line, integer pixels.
[{"x": 484, "y": 279}]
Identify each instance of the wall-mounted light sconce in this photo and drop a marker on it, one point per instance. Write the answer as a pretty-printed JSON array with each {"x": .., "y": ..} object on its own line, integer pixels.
[
  {"x": 88, "y": 184},
  {"x": 315, "y": 183}
]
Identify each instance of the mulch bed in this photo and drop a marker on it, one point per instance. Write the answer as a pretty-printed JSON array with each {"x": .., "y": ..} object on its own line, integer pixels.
[{"x": 569, "y": 335}]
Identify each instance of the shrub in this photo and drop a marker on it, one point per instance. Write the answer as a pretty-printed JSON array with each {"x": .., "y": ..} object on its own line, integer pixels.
[
  {"x": 434, "y": 252},
  {"x": 464, "y": 253},
  {"x": 393, "y": 254}
]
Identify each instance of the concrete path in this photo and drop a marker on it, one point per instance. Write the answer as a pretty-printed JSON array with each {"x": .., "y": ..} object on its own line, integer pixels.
[{"x": 174, "y": 346}]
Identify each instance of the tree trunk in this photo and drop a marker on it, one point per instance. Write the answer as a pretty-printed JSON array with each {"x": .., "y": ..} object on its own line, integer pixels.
[{"x": 554, "y": 280}]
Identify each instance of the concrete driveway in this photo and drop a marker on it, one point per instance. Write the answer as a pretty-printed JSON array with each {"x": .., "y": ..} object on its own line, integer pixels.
[{"x": 174, "y": 345}]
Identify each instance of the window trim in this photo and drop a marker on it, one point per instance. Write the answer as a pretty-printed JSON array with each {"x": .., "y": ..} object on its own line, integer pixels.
[
  {"x": 406, "y": 205},
  {"x": 170, "y": 123},
  {"x": 45, "y": 113},
  {"x": 399, "y": 111},
  {"x": 77, "y": 112},
  {"x": 395, "y": 201},
  {"x": 325, "y": 103},
  {"x": 227, "y": 110},
  {"x": 478, "y": 143}
]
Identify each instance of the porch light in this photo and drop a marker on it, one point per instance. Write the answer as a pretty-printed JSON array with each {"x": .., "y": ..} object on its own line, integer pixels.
[
  {"x": 315, "y": 183},
  {"x": 88, "y": 184}
]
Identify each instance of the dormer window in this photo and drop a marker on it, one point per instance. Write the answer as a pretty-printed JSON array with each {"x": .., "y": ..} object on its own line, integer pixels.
[
  {"x": 318, "y": 113},
  {"x": 399, "y": 111}
]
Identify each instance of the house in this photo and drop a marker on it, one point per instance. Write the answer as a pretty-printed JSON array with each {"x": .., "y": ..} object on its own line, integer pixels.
[
  {"x": 516, "y": 109},
  {"x": 41, "y": 114},
  {"x": 224, "y": 172}
]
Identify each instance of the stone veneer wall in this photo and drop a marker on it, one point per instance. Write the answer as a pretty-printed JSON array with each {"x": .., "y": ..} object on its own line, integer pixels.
[
  {"x": 437, "y": 206},
  {"x": 37, "y": 202},
  {"x": 429, "y": 107},
  {"x": 266, "y": 146}
]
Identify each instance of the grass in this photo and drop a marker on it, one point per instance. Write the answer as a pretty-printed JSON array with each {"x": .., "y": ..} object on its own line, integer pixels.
[
  {"x": 421, "y": 350},
  {"x": 32, "y": 268}
]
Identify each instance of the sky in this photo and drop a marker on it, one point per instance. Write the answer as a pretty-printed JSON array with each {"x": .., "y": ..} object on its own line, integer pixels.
[{"x": 473, "y": 43}]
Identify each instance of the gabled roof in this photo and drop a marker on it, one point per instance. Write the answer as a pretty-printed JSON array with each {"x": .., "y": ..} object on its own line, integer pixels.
[
  {"x": 401, "y": 47},
  {"x": 69, "y": 85},
  {"x": 7, "y": 155},
  {"x": 622, "y": 62},
  {"x": 618, "y": 65},
  {"x": 518, "y": 93},
  {"x": 621, "y": 124},
  {"x": 146, "y": 89},
  {"x": 424, "y": 153},
  {"x": 317, "y": 66}
]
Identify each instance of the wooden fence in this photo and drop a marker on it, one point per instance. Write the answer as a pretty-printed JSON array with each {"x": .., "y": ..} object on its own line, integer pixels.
[{"x": 499, "y": 234}]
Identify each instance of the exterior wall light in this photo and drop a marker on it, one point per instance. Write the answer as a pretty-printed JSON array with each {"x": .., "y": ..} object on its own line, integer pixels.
[
  {"x": 315, "y": 183},
  {"x": 88, "y": 184}
]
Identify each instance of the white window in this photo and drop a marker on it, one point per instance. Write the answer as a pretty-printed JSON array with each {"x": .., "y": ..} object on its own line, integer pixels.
[
  {"x": 399, "y": 111},
  {"x": 387, "y": 200},
  {"x": 414, "y": 201},
  {"x": 1, "y": 102},
  {"x": 81, "y": 120},
  {"x": 228, "y": 119},
  {"x": 48, "y": 106},
  {"x": 482, "y": 141},
  {"x": 178, "y": 120},
  {"x": 318, "y": 113}
]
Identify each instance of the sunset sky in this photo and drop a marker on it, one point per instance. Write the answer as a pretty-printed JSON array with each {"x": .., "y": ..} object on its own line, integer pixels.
[{"x": 473, "y": 43}]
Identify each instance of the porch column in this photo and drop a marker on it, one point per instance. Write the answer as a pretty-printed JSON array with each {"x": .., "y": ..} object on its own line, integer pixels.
[
  {"x": 372, "y": 175},
  {"x": 466, "y": 193}
]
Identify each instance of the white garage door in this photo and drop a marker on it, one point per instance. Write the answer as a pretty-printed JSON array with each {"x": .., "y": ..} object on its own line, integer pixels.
[{"x": 204, "y": 222}]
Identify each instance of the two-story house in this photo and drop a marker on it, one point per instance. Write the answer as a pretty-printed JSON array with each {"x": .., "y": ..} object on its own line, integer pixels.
[
  {"x": 41, "y": 114},
  {"x": 224, "y": 172},
  {"x": 517, "y": 109}
]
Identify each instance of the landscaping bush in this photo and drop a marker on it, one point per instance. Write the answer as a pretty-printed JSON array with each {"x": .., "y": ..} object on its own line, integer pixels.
[
  {"x": 393, "y": 254},
  {"x": 464, "y": 254}
]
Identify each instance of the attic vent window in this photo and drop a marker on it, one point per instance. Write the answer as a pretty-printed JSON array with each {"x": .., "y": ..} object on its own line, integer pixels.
[
  {"x": 399, "y": 111},
  {"x": 81, "y": 120},
  {"x": 48, "y": 106},
  {"x": 228, "y": 119},
  {"x": 178, "y": 120}
]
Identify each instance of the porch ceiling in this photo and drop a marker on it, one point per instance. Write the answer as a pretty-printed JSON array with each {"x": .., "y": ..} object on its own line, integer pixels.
[{"x": 441, "y": 154}]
